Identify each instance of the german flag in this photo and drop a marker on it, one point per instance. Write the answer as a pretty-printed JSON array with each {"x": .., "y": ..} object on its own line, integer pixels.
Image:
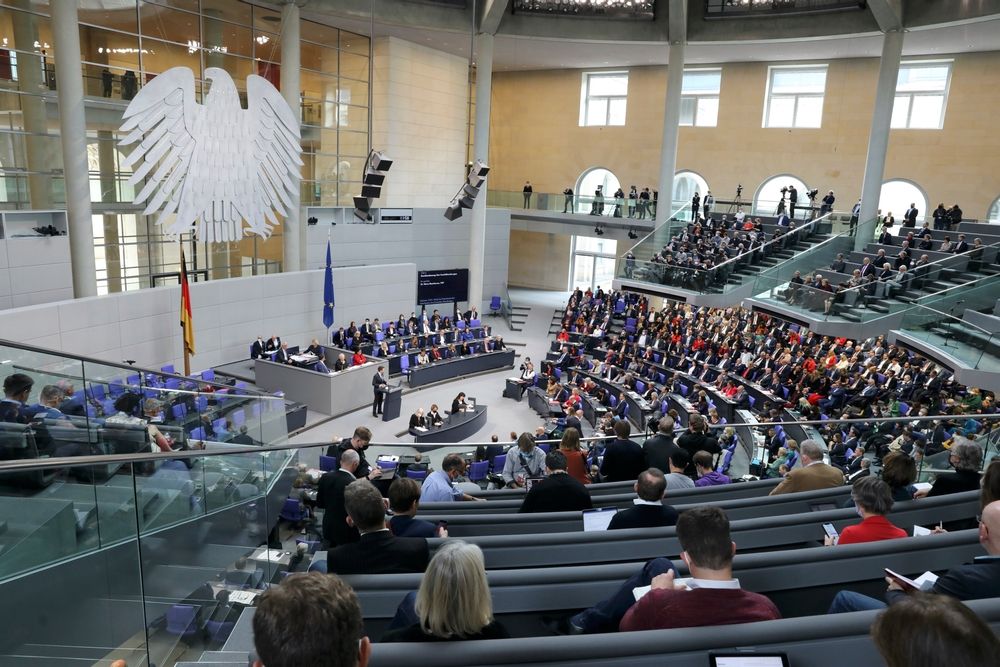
[{"x": 187, "y": 322}]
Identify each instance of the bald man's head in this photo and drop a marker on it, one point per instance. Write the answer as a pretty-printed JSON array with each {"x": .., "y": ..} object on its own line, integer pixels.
[{"x": 989, "y": 528}]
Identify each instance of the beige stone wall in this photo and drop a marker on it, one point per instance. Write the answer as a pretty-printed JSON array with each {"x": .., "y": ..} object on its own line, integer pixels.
[
  {"x": 535, "y": 135},
  {"x": 538, "y": 260}
]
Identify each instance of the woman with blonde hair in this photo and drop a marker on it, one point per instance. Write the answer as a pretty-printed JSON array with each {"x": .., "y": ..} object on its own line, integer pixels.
[{"x": 453, "y": 602}]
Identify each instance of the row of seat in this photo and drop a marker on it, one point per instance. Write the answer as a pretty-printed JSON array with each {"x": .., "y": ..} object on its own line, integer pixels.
[{"x": 765, "y": 532}]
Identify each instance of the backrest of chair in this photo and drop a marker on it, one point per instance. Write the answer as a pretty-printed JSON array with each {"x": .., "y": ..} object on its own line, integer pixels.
[
  {"x": 327, "y": 463},
  {"x": 499, "y": 461},
  {"x": 197, "y": 433},
  {"x": 495, "y": 303},
  {"x": 404, "y": 361},
  {"x": 474, "y": 323},
  {"x": 418, "y": 475},
  {"x": 478, "y": 470}
]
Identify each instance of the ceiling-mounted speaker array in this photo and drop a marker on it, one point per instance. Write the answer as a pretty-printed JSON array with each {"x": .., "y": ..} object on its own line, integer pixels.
[
  {"x": 466, "y": 197},
  {"x": 371, "y": 187}
]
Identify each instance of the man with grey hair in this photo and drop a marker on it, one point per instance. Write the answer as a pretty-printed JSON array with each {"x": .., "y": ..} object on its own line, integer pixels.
[
  {"x": 659, "y": 447},
  {"x": 49, "y": 400},
  {"x": 378, "y": 551},
  {"x": 965, "y": 457},
  {"x": 873, "y": 498},
  {"x": 330, "y": 496},
  {"x": 813, "y": 475}
]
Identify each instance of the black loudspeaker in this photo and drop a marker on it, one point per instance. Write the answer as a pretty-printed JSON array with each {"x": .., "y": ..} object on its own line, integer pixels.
[
  {"x": 374, "y": 178},
  {"x": 470, "y": 191},
  {"x": 371, "y": 191},
  {"x": 453, "y": 212},
  {"x": 362, "y": 203},
  {"x": 362, "y": 215},
  {"x": 379, "y": 162}
]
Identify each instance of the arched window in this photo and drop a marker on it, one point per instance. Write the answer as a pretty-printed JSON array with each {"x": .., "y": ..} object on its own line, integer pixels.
[
  {"x": 994, "y": 213},
  {"x": 768, "y": 195},
  {"x": 686, "y": 183},
  {"x": 587, "y": 184},
  {"x": 896, "y": 197}
]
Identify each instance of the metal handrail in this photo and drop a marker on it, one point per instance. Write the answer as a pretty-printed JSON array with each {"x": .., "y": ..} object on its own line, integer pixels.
[
  {"x": 669, "y": 219},
  {"x": 931, "y": 264},
  {"x": 77, "y": 461}
]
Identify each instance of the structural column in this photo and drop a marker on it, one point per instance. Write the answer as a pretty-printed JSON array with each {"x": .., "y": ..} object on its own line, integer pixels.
[
  {"x": 481, "y": 151},
  {"x": 671, "y": 125},
  {"x": 293, "y": 233},
  {"x": 878, "y": 139},
  {"x": 73, "y": 130}
]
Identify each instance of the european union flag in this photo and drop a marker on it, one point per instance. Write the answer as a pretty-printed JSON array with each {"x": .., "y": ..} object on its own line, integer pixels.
[{"x": 328, "y": 301}]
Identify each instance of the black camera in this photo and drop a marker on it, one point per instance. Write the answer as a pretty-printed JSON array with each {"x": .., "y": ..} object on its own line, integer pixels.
[{"x": 812, "y": 193}]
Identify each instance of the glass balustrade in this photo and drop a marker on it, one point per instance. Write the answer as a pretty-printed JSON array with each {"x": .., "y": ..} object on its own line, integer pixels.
[
  {"x": 580, "y": 204},
  {"x": 152, "y": 557}
]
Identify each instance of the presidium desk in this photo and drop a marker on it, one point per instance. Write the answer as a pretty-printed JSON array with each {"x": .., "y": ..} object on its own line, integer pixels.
[
  {"x": 329, "y": 394},
  {"x": 447, "y": 369}
]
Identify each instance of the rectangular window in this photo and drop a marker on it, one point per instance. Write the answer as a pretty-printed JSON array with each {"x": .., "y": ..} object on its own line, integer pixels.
[
  {"x": 602, "y": 98},
  {"x": 700, "y": 97},
  {"x": 794, "y": 96},
  {"x": 921, "y": 95}
]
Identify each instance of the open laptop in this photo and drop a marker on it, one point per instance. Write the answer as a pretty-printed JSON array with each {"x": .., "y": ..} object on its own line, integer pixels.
[{"x": 598, "y": 519}]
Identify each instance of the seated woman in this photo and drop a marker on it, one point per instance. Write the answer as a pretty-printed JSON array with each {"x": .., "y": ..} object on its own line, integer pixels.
[
  {"x": 434, "y": 418},
  {"x": 358, "y": 357},
  {"x": 383, "y": 350},
  {"x": 899, "y": 471},
  {"x": 418, "y": 420},
  {"x": 459, "y": 404},
  {"x": 874, "y": 500},
  {"x": 423, "y": 358},
  {"x": 553, "y": 388},
  {"x": 453, "y": 601}
]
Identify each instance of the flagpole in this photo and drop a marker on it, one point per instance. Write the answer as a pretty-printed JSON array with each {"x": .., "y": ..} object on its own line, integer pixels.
[{"x": 187, "y": 357}]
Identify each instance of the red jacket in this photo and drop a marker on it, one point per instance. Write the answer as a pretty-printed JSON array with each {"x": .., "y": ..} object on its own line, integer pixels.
[
  {"x": 661, "y": 608},
  {"x": 872, "y": 529}
]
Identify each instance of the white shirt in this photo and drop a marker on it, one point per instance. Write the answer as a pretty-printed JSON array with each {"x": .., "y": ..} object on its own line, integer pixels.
[
  {"x": 640, "y": 501},
  {"x": 728, "y": 584}
]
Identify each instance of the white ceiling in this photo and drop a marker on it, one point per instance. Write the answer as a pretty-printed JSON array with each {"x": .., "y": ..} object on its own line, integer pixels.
[{"x": 519, "y": 53}]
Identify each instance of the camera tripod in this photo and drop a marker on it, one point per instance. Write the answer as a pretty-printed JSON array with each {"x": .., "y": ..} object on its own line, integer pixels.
[{"x": 737, "y": 203}]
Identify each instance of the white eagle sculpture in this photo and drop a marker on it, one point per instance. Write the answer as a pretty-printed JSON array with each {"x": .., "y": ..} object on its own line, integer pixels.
[{"x": 213, "y": 164}]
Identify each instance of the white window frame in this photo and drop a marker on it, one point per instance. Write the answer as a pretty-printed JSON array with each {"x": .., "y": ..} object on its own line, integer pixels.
[
  {"x": 700, "y": 96},
  {"x": 795, "y": 96},
  {"x": 928, "y": 93},
  {"x": 585, "y": 98}
]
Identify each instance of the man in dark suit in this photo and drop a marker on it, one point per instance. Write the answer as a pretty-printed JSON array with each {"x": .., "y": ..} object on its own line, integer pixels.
[
  {"x": 961, "y": 246},
  {"x": 696, "y": 439},
  {"x": 272, "y": 345},
  {"x": 330, "y": 496},
  {"x": 575, "y": 420},
  {"x": 257, "y": 349},
  {"x": 558, "y": 492},
  {"x": 649, "y": 510},
  {"x": 658, "y": 448},
  {"x": 379, "y": 387},
  {"x": 910, "y": 217},
  {"x": 377, "y": 551},
  {"x": 282, "y": 356},
  {"x": 359, "y": 443},
  {"x": 623, "y": 458}
]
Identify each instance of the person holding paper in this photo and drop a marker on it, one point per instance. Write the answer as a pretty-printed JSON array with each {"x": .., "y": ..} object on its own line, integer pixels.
[
  {"x": 977, "y": 580},
  {"x": 873, "y": 500},
  {"x": 714, "y": 598}
]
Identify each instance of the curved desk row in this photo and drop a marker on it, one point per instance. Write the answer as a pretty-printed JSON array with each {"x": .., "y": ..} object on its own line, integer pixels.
[
  {"x": 453, "y": 368},
  {"x": 456, "y": 427}
]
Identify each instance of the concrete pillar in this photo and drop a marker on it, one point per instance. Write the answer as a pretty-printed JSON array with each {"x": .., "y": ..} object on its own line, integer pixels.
[
  {"x": 73, "y": 131},
  {"x": 293, "y": 233},
  {"x": 38, "y": 148},
  {"x": 109, "y": 194},
  {"x": 671, "y": 125},
  {"x": 481, "y": 151},
  {"x": 878, "y": 139}
]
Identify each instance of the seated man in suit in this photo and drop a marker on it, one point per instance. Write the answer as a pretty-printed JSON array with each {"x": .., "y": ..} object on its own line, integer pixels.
[
  {"x": 712, "y": 596},
  {"x": 272, "y": 345},
  {"x": 317, "y": 614},
  {"x": 16, "y": 389},
  {"x": 813, "y": 475},
  {"x": 558, "y": 492},
  {"x": 378, "y": 551},
  {"x": 404, "y": 499},
  {"x": 973, "y": 581},
  {"x": 282, "y": 356},
  {"x": 649, "y": 510},
  {"x": 341, "y": 363}
]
